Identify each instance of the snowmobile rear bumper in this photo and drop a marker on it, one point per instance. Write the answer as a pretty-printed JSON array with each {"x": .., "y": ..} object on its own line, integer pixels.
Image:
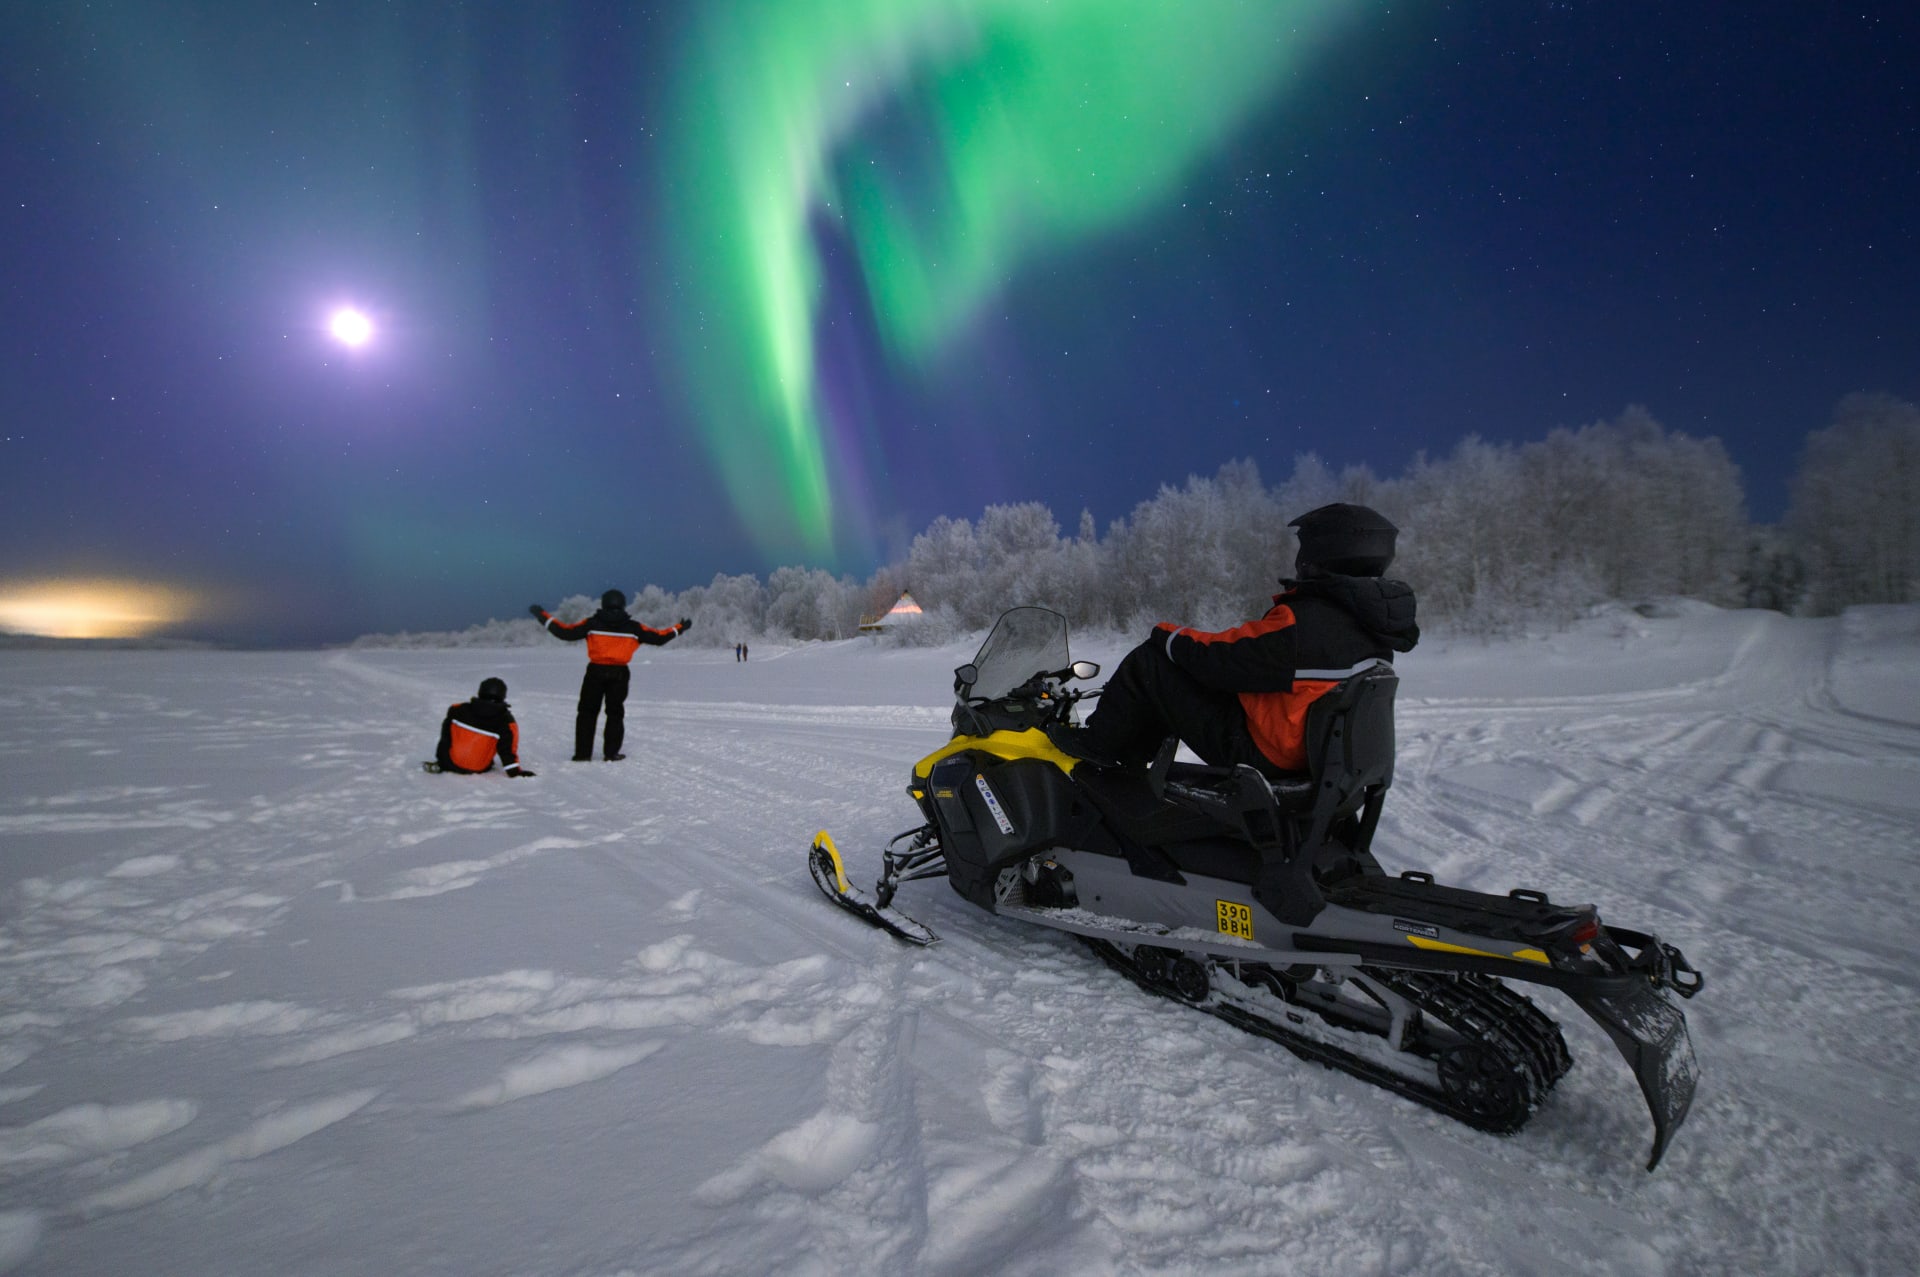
[
  {"x": 1651, "y": 1034},
  {"x": 1648, "y": 1028}
]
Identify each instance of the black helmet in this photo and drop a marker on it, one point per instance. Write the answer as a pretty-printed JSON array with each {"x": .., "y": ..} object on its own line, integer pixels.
[
  {"x": 1347, "y": 540},
  {"x": 493, "y": 689},
  {"x": 614, "y": 599}
]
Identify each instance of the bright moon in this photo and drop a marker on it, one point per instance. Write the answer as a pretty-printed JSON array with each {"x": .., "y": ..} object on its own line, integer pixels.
[{"x": 351, "y": 327}]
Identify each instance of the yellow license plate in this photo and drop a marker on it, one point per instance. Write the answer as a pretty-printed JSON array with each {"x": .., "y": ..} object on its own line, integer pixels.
[{"x": 1235, "y": 919}]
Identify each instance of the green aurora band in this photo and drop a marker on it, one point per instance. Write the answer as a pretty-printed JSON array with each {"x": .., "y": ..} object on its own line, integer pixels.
[{"x": 1030, "y": 125}]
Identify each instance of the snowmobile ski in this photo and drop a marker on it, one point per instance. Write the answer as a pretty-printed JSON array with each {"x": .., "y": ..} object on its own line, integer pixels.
[
  {"x": 823, "y": 861},
  {"x": 431, "y": 768}
]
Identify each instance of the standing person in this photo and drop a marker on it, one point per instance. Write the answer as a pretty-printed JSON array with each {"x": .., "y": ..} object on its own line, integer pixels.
[
  {"x": 612, "y": 638},
  {"x": 1241, "y": 695},
  {"x": 475, "y": 731}
]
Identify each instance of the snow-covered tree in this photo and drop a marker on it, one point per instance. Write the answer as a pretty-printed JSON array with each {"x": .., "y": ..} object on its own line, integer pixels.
[
  {"x": 943, "y": 567},
  {"x": 1082, "y": 592},
  {"x": 1019, "y": 550},
  {"x": 805, "y": 603},
  {"x": 1854, "y": 515},
  {"x": 725, "y": 611}
]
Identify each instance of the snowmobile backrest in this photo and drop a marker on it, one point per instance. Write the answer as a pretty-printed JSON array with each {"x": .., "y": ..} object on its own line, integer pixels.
[
  {"x": 1350, "y": 761},
  {"x": 1350, "y": 733}
]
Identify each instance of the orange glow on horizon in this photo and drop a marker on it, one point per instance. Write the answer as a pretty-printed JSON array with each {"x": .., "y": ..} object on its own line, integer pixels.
[{"x": 92, "y": 608}]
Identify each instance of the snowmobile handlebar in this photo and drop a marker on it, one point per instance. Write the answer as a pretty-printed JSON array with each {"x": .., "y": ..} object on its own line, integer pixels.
[
  {"x": 1042, "y": 685},
  {"x": 1050, "y": 690}
]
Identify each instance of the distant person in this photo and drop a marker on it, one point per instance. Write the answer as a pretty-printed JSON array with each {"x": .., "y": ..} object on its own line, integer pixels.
[
  {"x": 743, "y": 651},
  {"x": 612, "y": 638},
  {"x": 739, "y": 652},
  {"x": 1241, "y": 695},
  {"x": 474, "y": 732}
]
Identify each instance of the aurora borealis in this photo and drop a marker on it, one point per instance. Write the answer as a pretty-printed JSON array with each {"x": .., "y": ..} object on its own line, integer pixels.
[
  {"x": 655, "y": 292},
  {"x": 1020, "y": 126}
]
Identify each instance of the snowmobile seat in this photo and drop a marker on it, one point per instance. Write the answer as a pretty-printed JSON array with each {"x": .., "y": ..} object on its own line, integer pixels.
[
  {"x": 1141, "y": 816},
  {"x": 1290, "y": 790}
]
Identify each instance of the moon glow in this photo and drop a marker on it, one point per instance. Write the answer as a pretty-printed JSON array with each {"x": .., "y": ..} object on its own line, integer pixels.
[{"x": 350, "y": 327}]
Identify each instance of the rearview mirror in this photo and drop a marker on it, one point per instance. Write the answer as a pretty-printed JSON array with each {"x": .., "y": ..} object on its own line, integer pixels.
[
  {"x": 967, "y": 675},
  {"x": 1086, "y": 669}
]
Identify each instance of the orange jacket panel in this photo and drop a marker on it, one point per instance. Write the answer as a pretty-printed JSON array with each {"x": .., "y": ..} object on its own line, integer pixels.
[
  {"x": 472, "y": 748},
  {"x": 611, "y": 649},
  {"x": 1277, "y": 721}
]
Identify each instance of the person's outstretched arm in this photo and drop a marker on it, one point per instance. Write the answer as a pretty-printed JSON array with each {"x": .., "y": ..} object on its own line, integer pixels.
[
  {"x": 571, "y": 633},
  {"x": 647, "y": 634}
]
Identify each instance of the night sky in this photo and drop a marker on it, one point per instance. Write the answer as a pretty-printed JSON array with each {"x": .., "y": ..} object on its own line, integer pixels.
[{"x": 661, "y": 291}]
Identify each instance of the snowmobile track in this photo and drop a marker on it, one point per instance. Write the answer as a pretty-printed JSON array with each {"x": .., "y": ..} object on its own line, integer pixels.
[{"x": 1524, "y": 1053}]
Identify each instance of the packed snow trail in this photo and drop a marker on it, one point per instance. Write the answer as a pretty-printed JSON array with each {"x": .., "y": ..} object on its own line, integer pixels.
[{"x": 275, "y": 1001}]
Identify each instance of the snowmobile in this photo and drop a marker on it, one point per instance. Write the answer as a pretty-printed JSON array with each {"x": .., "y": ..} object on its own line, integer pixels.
[{"x": 1260, "y": 901}]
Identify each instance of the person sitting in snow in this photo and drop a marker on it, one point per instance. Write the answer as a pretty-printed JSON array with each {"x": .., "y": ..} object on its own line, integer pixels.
[
  {"x": 1241, "y": 695},
  {"x": 474, "y": 732},
  {"x": 612, "y": 638}
]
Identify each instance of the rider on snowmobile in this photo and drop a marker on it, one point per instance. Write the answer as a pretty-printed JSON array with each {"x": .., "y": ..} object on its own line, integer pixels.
[{"x": 1241, "y": 695}]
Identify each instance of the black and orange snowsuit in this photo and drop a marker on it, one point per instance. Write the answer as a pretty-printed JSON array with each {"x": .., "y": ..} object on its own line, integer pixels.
[
  {"x": 473, "y": 733},
  {"x": 612, "y": 637},
  {"x": 1241, "y": 695}
]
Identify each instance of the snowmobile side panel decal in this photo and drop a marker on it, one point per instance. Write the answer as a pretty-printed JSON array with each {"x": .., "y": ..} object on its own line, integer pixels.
[
  {"x": 1441, "y": 946},
  {"x": 993, "y": 804},
  {"x": 1235, "y": 919},
  {"x": 1028, "y": 743}
]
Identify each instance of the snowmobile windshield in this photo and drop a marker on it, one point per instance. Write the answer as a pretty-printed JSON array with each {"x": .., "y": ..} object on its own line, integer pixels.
[{"x": 1025, "y": 642}]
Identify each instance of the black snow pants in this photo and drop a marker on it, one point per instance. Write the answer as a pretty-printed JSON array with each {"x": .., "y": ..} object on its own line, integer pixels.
[
  {"x": 1149, "y": 698},
  {"x": 606, "y": 683}
]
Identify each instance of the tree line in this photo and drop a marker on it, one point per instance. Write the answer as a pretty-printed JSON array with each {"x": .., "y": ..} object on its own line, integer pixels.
[{"x": 1494, "y": 537}]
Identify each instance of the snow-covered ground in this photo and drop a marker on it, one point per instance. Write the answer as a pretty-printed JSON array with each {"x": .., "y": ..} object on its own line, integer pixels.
[{"x": 274, "y": 1001}]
